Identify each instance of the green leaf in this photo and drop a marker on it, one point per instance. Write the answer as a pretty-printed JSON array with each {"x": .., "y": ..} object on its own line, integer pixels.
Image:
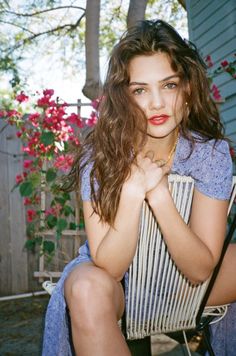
[
  {"x": 26, "y": 189},
  {"x": 81, "y": 225},
  {"x": 51, "y": 175},
  {"x": 60, "y": 200},
  {"x": 38, "y": 240},
  {"x": 72, "y": 226},
  {"x": 48, "y": 247},
  {"x": 68, "y": 210},
  {"x": 35, "y": 179},
  {"x": 30, "y": 245},
  {"x": 30, "y": 229},
  {"x": 66, "y": 196},
  {"x": 51, "y": 221},
  {"x": 47, "y": 138},
  {"x": 61, "y": 224}
]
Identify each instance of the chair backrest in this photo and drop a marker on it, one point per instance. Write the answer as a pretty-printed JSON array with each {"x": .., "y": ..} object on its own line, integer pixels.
[{"x": 160, "y": 298}]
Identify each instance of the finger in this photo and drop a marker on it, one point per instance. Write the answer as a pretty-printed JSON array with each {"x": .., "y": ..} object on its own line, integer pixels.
[
  {"x": 143, "y": 161},
  {"x": 165, "y": 169},
  {"x": 139, "y": 158},
  {"x": 150, "y": 155}
]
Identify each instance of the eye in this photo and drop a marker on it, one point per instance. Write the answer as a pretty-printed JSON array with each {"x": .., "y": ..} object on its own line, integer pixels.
[
  {"x": 138, "y": 91},
  {"x": 171, "y": 85}
]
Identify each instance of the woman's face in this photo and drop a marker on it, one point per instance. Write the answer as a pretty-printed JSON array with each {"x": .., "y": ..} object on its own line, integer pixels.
[{"x": 154, "y": 86}]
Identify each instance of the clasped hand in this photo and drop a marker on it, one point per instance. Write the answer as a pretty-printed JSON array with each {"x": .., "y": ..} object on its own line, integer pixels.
[{"x": 146, "y": 176}]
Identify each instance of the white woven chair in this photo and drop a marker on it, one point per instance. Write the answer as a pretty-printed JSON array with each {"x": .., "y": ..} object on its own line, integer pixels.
[{"x": 160, "y": 298}]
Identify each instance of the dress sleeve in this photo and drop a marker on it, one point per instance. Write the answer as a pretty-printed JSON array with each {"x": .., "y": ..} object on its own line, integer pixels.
[
  {"x": 85, "y": 188},
  {"x": 213, "y": 176}
]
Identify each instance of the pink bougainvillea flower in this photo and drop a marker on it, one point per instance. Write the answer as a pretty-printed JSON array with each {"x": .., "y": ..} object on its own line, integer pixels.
[
  {"x": 75, "y": 140},
  {"x": 44, "y": 101},
  {"x": 27, "y": 201},
  {"x": 92, "y": 120},
  {"x": 55, "y": 210},
  {"x": 31, "y": 214},
  {"x": 19, "y": 179},
  {"x": 216, "y": 92},
  {"x": 95, "y": 103},
  {"x": 224, "y": 63},
  {"x": 19, "y": 134},
  {"x": 3, "y": 113},
  {"x": 13, "y": 113},
  {"x": 232, "y": 152},
  {"x": 34, "y": 119},
  {"x": 48, "y": 92},
  {"x": 31, "y": 152},
  {"x": 75, "y": 119},
  {"x": 64, "y": 162},
  {"x": 22, "y": 97},
  {"x": 27, "y": 163},
  {"x": 208, "y": 61}
]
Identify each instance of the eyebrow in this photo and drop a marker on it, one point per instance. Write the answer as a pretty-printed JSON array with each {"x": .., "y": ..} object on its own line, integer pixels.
[{"x": 162, "y": 80}]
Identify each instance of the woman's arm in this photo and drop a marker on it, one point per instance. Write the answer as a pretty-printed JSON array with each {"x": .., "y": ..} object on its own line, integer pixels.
[
  {"x": 113, "y": 248},
  {"x": 196, "y": 247}
]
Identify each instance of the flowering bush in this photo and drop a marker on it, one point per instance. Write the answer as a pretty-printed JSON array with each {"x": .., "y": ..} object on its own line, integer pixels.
[
  {"x": 225, "y": 66},
  {"x": 49, "y": 137}
]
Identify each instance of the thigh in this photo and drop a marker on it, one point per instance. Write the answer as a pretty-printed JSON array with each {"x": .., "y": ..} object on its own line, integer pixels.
[
  {"x": 90, "y": 275},
  {"x": 224, "y": 290}
]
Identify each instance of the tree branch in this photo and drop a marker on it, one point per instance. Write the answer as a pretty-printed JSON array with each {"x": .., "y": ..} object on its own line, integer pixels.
[
  {"x": 6, "y": 3},
  {"x": 4, "y": 127},
  {"x": 13, "y": 24},
  {"x": 48, "y": 32},
  {"x": 42, "y": 11}
]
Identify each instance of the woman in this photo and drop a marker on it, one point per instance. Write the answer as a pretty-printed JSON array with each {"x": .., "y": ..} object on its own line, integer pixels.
[{"x": 156, "y": 117}]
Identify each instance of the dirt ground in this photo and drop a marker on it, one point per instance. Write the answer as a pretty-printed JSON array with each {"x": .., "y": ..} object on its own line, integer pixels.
[
  {"x": 21, "y": 325},
  {"x": 21, "y": 330}
]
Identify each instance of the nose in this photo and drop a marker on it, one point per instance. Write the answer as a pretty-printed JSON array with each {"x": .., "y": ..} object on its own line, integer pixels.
[{"x": 156, "y": 101}]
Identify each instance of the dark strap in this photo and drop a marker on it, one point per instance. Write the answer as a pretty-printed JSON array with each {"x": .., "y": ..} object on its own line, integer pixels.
[{"x": 228, "y": 238}]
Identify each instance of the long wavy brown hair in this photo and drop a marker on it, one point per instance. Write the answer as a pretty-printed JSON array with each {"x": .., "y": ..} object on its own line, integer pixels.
[{"x": 120, "y": 133}]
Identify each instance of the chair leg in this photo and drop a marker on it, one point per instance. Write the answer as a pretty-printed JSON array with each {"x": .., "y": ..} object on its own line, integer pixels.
[
  {"x": 140, "y": 347},
  {"x": 207, "y": 343}
]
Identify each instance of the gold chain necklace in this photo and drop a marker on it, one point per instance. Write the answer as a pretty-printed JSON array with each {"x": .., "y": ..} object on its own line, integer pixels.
[{"x": 163, "y": 162}]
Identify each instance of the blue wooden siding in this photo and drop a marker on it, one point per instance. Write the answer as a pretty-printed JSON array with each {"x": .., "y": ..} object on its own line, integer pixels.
[{"x": 212, "y": 27}]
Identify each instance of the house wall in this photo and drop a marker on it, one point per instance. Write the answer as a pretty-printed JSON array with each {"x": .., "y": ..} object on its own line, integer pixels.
[{"x": 212, "y": 27}]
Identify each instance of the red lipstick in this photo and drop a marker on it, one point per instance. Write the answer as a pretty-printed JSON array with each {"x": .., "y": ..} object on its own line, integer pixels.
[{"x": 158, "y": 119}]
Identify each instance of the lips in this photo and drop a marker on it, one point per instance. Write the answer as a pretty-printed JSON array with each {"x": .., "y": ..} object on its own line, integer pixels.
[{"x": 158, "y": 119}]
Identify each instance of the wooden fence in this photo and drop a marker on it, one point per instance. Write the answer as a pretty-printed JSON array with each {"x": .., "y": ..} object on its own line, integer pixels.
[{"x": 20, "y": 270}]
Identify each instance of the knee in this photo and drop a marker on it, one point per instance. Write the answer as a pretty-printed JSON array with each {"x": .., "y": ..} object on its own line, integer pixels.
[{"x": 89, "y": 292}]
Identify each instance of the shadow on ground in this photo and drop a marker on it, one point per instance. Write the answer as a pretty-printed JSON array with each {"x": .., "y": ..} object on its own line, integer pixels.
[{"x": 21, "y": 323}]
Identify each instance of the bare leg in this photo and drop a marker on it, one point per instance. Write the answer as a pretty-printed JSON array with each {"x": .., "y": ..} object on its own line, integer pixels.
[
  {"x": 224, "y": 290},
  {"x": 96, "y": 302}
]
